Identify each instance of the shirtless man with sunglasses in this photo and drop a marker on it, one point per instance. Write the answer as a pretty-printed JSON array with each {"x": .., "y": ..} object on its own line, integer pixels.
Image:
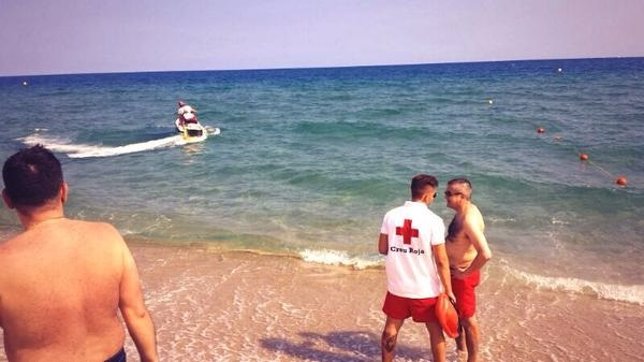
[{"x": 468, "y": 251}]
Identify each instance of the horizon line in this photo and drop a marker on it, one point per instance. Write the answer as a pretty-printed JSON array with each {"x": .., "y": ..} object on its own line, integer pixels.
[{"x": 320, "y": 66}]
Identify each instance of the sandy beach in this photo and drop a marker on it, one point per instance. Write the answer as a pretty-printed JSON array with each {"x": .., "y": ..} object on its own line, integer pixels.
[
  {"x": 211, "y": 305},
  {"x": 238, "y": 306},
  {"x": 214, "y": 305}
]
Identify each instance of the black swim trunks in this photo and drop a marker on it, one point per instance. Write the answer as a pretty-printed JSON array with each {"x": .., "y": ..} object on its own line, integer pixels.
[{"x": 118, "y": 357}]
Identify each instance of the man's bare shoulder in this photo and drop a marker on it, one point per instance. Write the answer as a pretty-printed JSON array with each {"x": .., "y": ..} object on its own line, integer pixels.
[
  {"x": 473, "y": 216},
  {"x": 89, "y": 231},
  {"x": 97, "y": 231},
  {"x": 9, "y": 245},
  {"x": 97, "y": 226}
]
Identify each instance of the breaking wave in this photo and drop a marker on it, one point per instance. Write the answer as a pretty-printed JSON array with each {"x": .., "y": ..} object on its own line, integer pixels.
[
  {"x": 622, "y": 293},
  {"x": 335, "y": 257}
]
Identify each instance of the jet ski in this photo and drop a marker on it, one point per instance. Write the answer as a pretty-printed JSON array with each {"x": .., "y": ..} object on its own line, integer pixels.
[{"x": 191, "y": 130}]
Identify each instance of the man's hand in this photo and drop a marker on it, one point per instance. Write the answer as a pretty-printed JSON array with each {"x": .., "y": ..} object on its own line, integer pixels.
[{"x": 457, "y": 273}]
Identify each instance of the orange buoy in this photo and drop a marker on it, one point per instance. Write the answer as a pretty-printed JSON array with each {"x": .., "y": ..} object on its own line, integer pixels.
[
  {"x": 541, "y": 130},
  {"x": 447, "y": 315},
  {"x": 621, "y": 181},
  {"x": 583, "y": 156}
]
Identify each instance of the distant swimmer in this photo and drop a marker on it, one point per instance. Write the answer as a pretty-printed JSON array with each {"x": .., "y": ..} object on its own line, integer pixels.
[{"x": 468, "y": 251}]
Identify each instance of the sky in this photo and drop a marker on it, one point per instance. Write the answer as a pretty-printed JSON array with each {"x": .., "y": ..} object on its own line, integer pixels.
[{"x": 99, "y": 36}]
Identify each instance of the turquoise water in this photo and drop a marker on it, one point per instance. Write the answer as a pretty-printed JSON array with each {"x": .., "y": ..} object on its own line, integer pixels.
[{"x": 309, "y": 160}]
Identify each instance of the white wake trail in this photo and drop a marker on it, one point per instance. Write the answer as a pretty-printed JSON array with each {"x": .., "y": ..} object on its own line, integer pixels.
[{"x": 85, "y": 151}]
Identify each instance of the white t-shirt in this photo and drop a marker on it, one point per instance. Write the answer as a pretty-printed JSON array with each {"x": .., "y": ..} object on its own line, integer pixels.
[
  {"x": 412, "y": 229},
  {"x": 185, "y": 109}
]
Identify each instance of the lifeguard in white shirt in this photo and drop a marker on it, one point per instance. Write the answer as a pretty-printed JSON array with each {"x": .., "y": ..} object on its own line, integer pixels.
[{"x": 412, "y": 238}]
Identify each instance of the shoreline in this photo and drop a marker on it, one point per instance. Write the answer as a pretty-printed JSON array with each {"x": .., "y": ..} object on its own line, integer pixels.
[
  {"x": 242, "y": 305},
  {"x": 210, "y": 304}
]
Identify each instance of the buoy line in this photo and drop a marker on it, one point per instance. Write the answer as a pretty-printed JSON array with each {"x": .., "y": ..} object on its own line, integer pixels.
[{"x": 584, "y": 157}]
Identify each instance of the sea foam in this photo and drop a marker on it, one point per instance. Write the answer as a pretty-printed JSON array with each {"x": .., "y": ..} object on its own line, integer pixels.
[
  {"x": 622, "y": 293},
  {"x": 335, "y": 257}
]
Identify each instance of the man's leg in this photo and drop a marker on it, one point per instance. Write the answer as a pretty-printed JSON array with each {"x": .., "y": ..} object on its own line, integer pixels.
[
  {"x": 471, "y": 329},
  {"x": 437, "y": 341},
  {"x": 466, "y": 305},
  {"x": 460, "y": 340},
  {"x": 389, "y": 336}
]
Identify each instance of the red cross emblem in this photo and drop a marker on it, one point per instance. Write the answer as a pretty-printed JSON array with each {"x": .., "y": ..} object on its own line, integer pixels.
[{"x": 407, "y": 232}]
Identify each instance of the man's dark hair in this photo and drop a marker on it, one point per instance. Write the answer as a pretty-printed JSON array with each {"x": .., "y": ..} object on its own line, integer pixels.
[
  {"x": 460, "y": 180},
  {"x": 419, "y": 183},
  {"x": 32, "y": 176},
  {"x": 467, "y": 191}
]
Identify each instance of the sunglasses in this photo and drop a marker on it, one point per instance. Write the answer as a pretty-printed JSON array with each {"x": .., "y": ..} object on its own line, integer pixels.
[{"x": 450, "y": 193}]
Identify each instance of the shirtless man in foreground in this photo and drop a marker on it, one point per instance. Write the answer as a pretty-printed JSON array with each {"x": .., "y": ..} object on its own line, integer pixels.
[
  {"x": 468, "y": 251},
  {"x": 68, "y": 278}
]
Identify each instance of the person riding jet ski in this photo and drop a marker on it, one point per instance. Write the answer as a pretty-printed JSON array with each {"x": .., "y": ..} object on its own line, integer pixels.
[{"x": 186, "y": 113}]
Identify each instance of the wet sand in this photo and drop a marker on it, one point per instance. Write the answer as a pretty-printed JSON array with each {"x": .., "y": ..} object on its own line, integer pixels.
[
  {"x": 211, "y": 305},
  {"x": 235, "y": 306}
]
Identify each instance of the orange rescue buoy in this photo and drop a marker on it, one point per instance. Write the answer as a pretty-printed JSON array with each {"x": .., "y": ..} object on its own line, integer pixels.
[
  {"x": 583, "y": 156},
  {"x": 447, "y": 315},
  {"x": 621, "y": 181}
]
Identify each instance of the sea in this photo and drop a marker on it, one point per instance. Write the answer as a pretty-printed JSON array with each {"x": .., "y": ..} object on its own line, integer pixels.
[{"x": 309, "y": 160}]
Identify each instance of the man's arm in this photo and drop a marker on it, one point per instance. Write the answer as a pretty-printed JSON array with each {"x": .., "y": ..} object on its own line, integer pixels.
[
  {"x": 136, "y": 316},
  {"x": 474, "y": 232},
  {"x": 442, "y": 266},
  {"x": 383, "y": 244}
]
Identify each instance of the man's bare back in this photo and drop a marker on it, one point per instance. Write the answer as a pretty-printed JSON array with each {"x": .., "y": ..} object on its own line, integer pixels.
[
  {"x": 68, "y": 278},
  {"x": 62, "y": 270}
]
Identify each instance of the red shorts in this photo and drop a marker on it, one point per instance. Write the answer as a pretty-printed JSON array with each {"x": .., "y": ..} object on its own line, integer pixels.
[
  {"x": 420, "y": 310},
  {"x": 464, "y": 292}
]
